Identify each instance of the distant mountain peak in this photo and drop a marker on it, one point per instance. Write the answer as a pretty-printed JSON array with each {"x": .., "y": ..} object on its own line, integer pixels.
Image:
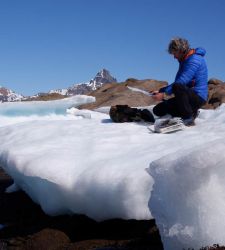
[
  {"x": 105, "y": 74},
  {"x": 7, "y": 95},
  {"x": 102, "y": 77}
]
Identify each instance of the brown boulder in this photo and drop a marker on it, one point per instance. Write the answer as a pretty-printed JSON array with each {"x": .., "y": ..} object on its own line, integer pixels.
[
  {"x": 215, "y": 81},
  {"x": 216, "y": 94}
]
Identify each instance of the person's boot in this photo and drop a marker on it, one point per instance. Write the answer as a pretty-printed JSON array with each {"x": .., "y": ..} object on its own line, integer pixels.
[{"x": 189, "y": 121}]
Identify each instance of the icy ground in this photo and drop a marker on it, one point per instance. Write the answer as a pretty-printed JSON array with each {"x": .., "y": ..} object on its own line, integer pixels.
[{"x": 81, "y": 162}]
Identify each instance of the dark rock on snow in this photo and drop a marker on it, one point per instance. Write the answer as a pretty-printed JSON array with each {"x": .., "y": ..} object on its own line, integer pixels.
[{"x": 27, "y": 227}]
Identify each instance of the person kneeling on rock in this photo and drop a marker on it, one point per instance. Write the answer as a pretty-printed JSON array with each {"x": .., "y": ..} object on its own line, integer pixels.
[{"x": 190, "y": 87}]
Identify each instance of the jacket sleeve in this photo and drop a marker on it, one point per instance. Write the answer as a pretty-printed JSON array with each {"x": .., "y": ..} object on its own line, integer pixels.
[{"x": 185, "y": 74}]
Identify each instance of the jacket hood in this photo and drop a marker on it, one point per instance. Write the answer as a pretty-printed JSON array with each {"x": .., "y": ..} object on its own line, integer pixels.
[{"x": 200, "y": 51}]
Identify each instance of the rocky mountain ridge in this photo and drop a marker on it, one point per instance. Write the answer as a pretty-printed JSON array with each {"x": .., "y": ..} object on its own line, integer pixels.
[{"x": 102, "y": 77}]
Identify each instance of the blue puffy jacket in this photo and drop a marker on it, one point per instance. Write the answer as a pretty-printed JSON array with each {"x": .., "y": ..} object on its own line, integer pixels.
[{"x": 192, "y": 72}]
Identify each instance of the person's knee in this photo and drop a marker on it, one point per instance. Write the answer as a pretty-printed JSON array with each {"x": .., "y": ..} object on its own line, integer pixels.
[
  {"x": 159, "y": 110},
  {"x": 155, "y": 110}
]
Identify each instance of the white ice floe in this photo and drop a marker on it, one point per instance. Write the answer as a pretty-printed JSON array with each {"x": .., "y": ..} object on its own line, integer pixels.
[
  {"x": 68, "y": 164},
  {"x": 42, "y": 108}
]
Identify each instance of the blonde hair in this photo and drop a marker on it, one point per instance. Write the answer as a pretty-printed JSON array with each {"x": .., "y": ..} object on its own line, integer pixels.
[{"x": 178, "y": 44}]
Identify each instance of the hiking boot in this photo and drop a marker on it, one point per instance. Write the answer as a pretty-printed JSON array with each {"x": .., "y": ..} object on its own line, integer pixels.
[{"x": 189, "y": 121}]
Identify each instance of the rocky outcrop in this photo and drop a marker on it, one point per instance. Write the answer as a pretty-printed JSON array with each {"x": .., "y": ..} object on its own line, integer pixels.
[
  {"x": 119, "y": 93},
  {"x": 216, "y": 94}
]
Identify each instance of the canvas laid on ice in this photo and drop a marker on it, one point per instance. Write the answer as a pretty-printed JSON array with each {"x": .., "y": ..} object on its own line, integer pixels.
[{"x": 167, "y": 125}]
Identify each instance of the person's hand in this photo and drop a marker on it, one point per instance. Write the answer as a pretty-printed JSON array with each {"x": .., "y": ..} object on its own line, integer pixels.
[{"x": 157, "y": 96}]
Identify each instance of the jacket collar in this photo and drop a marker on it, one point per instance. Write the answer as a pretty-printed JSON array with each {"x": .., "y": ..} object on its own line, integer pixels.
[{"x": 190, "y": 52}]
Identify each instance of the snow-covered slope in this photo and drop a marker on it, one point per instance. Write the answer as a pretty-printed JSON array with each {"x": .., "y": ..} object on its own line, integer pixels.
[
  {"x": 69, "y": 164},
  {"x": 7, "y": 95}
]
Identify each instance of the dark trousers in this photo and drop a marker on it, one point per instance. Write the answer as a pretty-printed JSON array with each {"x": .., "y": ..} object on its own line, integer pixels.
[{"x": 184, "y": 104}]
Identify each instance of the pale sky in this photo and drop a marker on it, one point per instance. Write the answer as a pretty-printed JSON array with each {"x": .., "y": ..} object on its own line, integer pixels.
[{"x": 50, "y": 44}]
